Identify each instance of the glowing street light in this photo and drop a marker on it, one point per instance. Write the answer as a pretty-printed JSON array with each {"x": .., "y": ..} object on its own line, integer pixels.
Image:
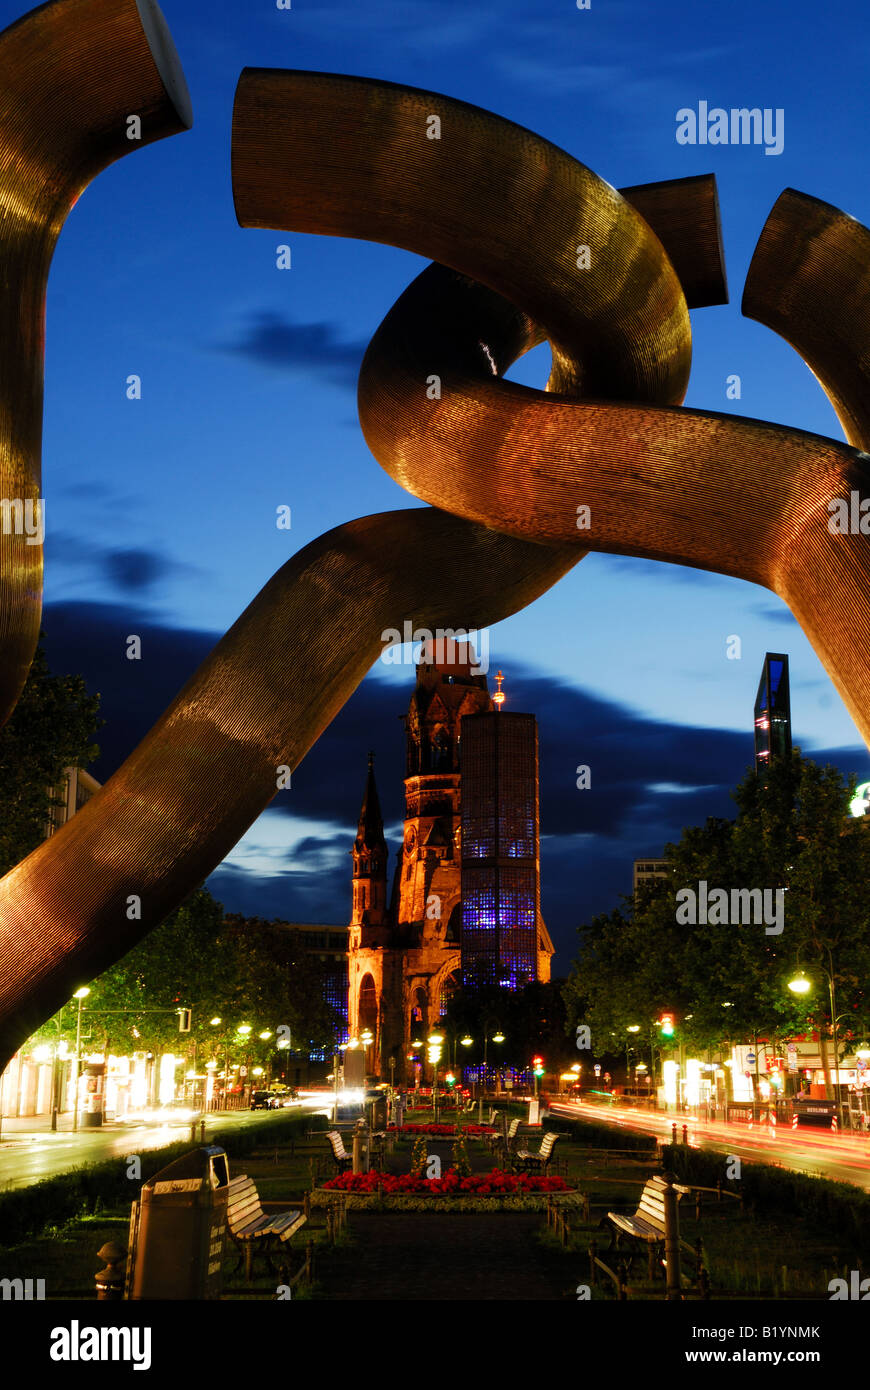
[
  {"x": 80, "y": 994},
  {"x": 800, "y": 984}
]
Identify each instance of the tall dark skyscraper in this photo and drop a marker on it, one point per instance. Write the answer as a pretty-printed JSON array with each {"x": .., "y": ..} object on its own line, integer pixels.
[
  {"x": 500, "y": 860},
  {"x": 772, "y": 712}
]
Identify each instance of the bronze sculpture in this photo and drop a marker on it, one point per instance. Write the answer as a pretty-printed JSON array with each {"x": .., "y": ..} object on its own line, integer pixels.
[{"x": 347, "y": 156}]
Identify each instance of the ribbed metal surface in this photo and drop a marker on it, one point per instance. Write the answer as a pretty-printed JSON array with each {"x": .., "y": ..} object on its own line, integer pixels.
[
  {"x": 504, "y": 213},
  {"x": 70, "y": 75}
]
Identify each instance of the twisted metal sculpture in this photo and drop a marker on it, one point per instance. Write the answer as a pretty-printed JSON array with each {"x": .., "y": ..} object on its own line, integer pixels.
[
  {"x": 71, "y": 75},
  {"x": 503, "y": 213}
]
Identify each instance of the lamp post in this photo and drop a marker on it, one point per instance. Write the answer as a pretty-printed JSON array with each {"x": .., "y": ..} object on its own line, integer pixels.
[
  {"x": 466, "y": 1042},
  {"x": 632, "y": 1028},
  {"x": 801, "y": 985},
  {"x": 80, "y": 994},
  {"x": 435, "y": 1041}
]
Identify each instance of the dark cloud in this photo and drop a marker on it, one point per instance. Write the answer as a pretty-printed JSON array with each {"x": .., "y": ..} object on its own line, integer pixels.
[
  {"x": 589, "y": 838},
  {"x": 134, "y": 571},
  {"x": 314, "y": 888},
  {"x": 274, "y": 341},
  {"x": 90, "y": 639},
  {"x": 775, "y": 613}
]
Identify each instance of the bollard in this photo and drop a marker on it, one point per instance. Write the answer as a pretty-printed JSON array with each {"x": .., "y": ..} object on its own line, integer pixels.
[
  {"x": 794, "y": 1121},
  {"x": 110, "y": 1281},
  {"x": 672, "y": 1239},
  {"x": 202, "y": 1131},
  {"x": 674, "y": 1132},
  {"x": 685, "y": 1134},
  {"x": 193, "y": 1131},
  {"x": 357, "y": 1151}
]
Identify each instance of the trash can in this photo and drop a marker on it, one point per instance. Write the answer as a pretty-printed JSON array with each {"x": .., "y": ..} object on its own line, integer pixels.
[
  {"x": 178, "y": 1229},
  {"x": 376, "y": 1113}
]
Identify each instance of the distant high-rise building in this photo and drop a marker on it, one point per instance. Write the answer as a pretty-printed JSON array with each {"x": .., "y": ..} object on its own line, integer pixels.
[
  {"x": 646, "y": 869},
  {"x": 772, "y": 712}
]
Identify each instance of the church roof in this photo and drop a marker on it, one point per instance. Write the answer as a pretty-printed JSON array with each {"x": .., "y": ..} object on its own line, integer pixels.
[{"x": 370, "y": 834}]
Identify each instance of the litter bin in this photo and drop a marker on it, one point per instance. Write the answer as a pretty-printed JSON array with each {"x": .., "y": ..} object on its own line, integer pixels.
[
  {"x": 376, "y": 1114},
  {"x": 178, "y": 1229}
]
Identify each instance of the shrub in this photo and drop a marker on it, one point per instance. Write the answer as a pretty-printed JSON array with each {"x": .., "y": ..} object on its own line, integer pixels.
[{"x": 26, "y": 1211}]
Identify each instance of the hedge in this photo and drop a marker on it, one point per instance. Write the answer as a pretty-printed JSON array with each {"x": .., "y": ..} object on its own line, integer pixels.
[
  {"x": 27, "y": 1211},
  {"x": 837, "y": 1207},
  {"x": 599, "y": 1136}
]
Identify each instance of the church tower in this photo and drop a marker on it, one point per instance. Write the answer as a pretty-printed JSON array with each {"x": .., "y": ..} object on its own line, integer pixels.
[
  {"x": 369, "y": 927},
  {"x": 369, "y": 921},
  {"x": 404, "y": 955}
]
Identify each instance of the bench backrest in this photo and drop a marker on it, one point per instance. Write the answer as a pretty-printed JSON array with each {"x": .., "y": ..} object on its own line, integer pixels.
[
  {"x": 513, "y": 1129},
  {"x": 243, "y": 1203},
  {"x": 652, "y": 1202},
  {"x": 547, "y": 1144},
  {"x": 337, "y": 1143}
]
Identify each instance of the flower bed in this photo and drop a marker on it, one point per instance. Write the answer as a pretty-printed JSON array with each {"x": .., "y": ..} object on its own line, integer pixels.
[
  {"x": 485, "y": 1192},
  {"x": 444, "y": 1131},
  {"x": 494, "y": 1184}
]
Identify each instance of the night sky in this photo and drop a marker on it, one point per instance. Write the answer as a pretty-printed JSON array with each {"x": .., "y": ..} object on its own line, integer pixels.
[{"x": 161, "y": 512}]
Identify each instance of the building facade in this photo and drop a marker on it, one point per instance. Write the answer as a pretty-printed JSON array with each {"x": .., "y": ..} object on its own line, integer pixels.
[
  {"x": 405, "y": 946},
  {"x": 772, "y": 712}
]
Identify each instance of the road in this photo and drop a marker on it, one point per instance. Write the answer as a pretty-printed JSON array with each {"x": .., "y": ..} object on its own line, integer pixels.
[
  {"x": 28, "y": 1154},
  {"x": 813, "y": 1151}
]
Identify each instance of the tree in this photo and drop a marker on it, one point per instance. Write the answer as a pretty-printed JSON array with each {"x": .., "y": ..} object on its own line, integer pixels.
[
  {"x": 724, "y": 980},
  {"x": 51, "y": 728},
  {"x": 532, "y": 1020}
]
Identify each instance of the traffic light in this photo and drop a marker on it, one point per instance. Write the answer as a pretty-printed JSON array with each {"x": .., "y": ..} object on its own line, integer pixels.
[
  {"x": 666, "y": 1025},
  {"x": 538, "y": 1066},
  {"x": 184, "y": 1020}
]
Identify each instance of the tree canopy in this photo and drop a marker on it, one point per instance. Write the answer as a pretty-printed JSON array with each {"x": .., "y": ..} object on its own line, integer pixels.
[
  {"x": 51, "y": 728},
  {"x": 723, "y": 980}
]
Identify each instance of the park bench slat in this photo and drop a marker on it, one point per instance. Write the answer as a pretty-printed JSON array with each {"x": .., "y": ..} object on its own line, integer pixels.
[{"x": 249, "y": 1225}]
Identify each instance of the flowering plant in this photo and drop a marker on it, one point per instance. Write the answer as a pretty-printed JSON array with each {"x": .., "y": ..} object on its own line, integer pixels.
[
  {"x": 445, "y": 1131},
  {"x": 494, "y": 1184}
]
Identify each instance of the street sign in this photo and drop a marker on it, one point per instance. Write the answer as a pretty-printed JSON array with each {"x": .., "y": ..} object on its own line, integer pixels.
[
  {"x": 750, "y": 1057},
  {"x": 792, "y": 1061}
]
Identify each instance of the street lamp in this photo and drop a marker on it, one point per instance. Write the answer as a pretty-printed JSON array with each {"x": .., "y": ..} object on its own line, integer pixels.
[
  {"x": 800, "y": 985},
  {"x": 80, "y": 994},
  {"x": 435, "y": 1041}
]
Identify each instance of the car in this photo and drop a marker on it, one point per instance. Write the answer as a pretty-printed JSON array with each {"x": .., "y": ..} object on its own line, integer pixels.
[{"x": 265, "y": 1100}]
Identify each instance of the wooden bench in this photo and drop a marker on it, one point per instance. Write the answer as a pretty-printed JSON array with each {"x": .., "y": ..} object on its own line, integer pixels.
[
  {"x": 647, "y": 1224},
  {"x": 343, "y": 1160},
  {"x": 251, "y": 1227},
  {"x": 537, "y": 1162},
  {"x": 495, "y": 1141}
]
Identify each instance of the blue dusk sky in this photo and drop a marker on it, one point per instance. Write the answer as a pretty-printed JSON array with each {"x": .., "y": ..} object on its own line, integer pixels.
[{"x": 161, "y": 512}]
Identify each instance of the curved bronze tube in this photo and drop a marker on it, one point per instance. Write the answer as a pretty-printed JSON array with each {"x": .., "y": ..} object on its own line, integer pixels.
[
  {"x": 71, "y": 73},
  {"x": 349, "y": 157},
  {"x": 809, "y": 280},
  {"x": 270, "y": 687},
  {"x": 714, "y": 491},
  {"x": 209, "y": 766}
]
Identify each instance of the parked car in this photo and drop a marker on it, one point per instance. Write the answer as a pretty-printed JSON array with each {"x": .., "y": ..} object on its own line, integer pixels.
[
  {"x": 273, "y": 1099},
  {"x": 265, "y": 1100}
]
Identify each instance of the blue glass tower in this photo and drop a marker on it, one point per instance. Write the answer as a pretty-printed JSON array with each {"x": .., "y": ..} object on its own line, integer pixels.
[
  {"x": 772, "y": 713},
  {"x": 500, "y": 858}
]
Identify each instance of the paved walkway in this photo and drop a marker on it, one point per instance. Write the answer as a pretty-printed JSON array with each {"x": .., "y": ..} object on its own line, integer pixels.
[{"x": 465, "y": 1258}]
